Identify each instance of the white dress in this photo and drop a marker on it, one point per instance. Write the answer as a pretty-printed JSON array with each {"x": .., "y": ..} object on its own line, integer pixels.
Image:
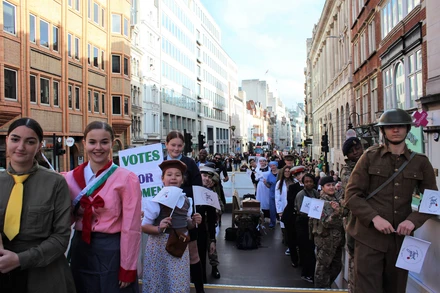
[
  {"x": 263, "y": 191},
  {"x": 280, "y": 199}
]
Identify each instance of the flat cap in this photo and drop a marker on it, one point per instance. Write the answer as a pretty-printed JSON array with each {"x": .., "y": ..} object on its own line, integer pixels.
[
  {"x": 288, "y": 157},
  {"x": 178, "y": 164}
]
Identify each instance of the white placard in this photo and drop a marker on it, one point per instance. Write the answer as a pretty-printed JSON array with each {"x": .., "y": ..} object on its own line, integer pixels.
[
  {"x": 204, "y": 196},
  {"x": 144, "y": 161},
  {"x": 316, "y": 206},
  {"x": 430, "y": 203},
  {"x": 305, "y": 206},
  {"x": 412, "y": 254}
]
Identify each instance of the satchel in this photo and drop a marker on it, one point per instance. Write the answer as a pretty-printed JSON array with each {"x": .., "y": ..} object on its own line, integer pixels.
[{"x": 177, "y": 242}]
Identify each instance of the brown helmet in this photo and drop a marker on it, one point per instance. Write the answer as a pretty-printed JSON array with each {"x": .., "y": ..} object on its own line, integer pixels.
[{"x": 395, "y": 117}]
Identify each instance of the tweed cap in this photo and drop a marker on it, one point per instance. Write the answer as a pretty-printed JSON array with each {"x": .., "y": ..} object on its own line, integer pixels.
[
  {"x": 288, "y": 158},
  {"x": 349, "y": 143},
  {"x": 178, "y": 164}
]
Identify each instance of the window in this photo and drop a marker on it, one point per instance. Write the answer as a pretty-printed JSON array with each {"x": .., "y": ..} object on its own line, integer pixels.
[
  {"x": 44, "y": 90},
  {"x": 116, "y": 23},
  {"x": 69, "y": 2},
  {"x": 116, "y": 105},
  {"x": 56, "y": 88},
  {"x": 77, "y": 98},
  {"x": 400, "y": 85},
  {"x": 33, "y": 89},
  {"x": 8, "y": 18},
  {"x": 125, "y": 66},
  {"x": 10, "y": 84},
  {"x": 358, "y": 102},
  {"x": 76, "y": 5},
  {"x": 126, "y": 105},
  {"x": 88, "y": 53},
  {"x": 116, "y": 64},
  {"x": 102, "y": 60},
  {"x": 393, "y": 12},
  {"x": 95, "y": 57},
  {"x": 363, "y": 47},
  {"x": 365, "y": 103},
  {"x": 96, "y": 13},
  {"x": 356, "y": 55},
  {"x": 89, "y": 101},
  {"x": 69, "y": 45},
  {"x": 415, "y": 76},
  {"x": 55, "y": 39},
  {"x": 44, "y": 34},
  {"x": 89, "y": 9},
  {"x": 32, "y": 29},
  {"x": 373, "y": 97},
  {"x": 76, "y": 48},
  {"x": 69, "y": 95},
  {"x": 96, "y": 102},
  {"x": 371, "y": 38},
  {"x": 125, "y": 27},
  {"x": 102, "y": 103},
  {"x": 388, "y": 86}
]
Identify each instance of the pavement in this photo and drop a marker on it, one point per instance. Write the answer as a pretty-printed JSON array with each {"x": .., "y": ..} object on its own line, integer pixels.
[{"x": 266, "y": 269}]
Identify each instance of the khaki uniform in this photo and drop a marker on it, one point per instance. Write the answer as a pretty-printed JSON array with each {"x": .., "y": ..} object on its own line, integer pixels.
[
  {"x": 329, "y": 237},
  {"x": 345, "y": 175},
  {"x": 375, "y": 262}
]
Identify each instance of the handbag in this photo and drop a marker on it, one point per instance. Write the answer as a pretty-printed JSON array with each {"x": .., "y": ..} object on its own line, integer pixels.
[
  {"x": 351, "y": 220},
  {"x": 177, "y": 242}
]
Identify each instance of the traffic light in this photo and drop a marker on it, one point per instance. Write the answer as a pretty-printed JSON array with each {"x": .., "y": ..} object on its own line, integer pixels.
[
  {"x": 59, "y": 151},
  {"x": 324, "y": 143},
  {"x": 188, "y": 142},
  {"x": 201, "y": 140}
]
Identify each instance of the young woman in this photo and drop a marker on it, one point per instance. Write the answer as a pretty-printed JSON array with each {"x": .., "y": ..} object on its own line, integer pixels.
[
  {"x": 305, "y": 243},
  {"x": 107, "y": 215},
  {"x": 281, "y": 195},
  {"x": 162, "y": 271},
  {"x": 174, "y": 145},
  {"x": 32, "y": 255}
]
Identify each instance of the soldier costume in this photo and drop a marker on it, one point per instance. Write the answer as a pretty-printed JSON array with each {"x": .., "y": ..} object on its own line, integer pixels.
[{"x": 329, "y": 237}]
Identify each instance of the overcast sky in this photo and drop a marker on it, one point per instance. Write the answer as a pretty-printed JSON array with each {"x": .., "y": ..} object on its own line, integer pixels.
[{"x": 263, "y": 35}]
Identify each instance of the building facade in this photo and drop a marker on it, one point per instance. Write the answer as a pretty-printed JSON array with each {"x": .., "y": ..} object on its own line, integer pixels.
[{"x": 65, "y": 64}]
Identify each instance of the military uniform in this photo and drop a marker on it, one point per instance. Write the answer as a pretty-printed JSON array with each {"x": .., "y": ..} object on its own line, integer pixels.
[
  {"x": 329, "y": 237},
  {"x": 375, "y": 252},
  {"x": 345, "y": 175}
]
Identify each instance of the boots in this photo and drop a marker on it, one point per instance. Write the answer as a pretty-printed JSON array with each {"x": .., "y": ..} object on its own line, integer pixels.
[
  {"x": 215, "y": 273},
  {"x": 197, "y": 277}
]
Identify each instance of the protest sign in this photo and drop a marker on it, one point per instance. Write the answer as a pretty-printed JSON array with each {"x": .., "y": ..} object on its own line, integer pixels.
[
  {"x": 170, "y": 196},
  {"x": 430, "y": 203},
  {"x": 412, "y": 254},
  {"x": 204, "y": 196},
  {"x": 144, "y": 162},
  {"x": 316, "y": 206}
]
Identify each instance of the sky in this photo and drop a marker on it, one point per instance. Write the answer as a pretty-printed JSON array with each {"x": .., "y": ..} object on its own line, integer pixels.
[{"x": 268, "y": 36}]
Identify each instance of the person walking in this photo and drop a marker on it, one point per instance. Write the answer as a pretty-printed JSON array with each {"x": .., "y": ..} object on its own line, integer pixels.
[
  {"x": 106, "y": 202},
  {"x": 285, "y": 179},
  {"x": 353, "y": 150},
  {"x": 383, "y": 220},
  {"x": 271, "y": 181},
  {"x": 35, "y": 217}
]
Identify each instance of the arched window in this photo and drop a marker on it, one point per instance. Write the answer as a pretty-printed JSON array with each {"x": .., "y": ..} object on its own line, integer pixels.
[
  {"x": 337, "y": 128},
  {"x": 399, "y": 75}
]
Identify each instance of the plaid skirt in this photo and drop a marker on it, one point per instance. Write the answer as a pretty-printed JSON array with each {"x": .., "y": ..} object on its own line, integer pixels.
[{"x": 162, "y": 271}]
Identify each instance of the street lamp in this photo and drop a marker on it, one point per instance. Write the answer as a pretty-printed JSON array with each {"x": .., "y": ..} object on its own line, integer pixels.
[{"x": 350, "y": 125}]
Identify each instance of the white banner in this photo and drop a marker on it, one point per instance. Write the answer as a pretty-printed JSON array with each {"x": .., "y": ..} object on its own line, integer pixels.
[
  {"x": 144, "y": 161},
  {"x": 204, "y": 196},
  {"x": 412, "y": 254},
  {"x": 430, "y": 203}
]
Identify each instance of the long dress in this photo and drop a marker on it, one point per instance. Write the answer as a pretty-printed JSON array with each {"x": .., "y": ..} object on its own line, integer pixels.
[{"x": 262, "y": 190}]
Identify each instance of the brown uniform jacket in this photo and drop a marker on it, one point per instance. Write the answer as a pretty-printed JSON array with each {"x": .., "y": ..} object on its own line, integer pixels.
[{"x": 393, "y": 202}]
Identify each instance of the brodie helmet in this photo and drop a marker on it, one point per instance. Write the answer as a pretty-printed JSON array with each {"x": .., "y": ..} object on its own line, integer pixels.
[{"x": 395, "y": 117}]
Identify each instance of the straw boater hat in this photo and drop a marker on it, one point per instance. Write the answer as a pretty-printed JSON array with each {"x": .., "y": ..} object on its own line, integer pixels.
[{"x": 178, "y": 164}]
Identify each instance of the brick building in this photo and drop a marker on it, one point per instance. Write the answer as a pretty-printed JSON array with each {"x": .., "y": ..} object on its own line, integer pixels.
[{"x": 65, "y": 64}]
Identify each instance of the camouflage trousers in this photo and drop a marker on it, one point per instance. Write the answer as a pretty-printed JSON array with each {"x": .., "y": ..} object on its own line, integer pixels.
[{"x": 328, "y": 258}]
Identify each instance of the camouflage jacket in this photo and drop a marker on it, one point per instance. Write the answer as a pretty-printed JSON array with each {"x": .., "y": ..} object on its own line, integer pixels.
[{"x": 345, "y": 175}]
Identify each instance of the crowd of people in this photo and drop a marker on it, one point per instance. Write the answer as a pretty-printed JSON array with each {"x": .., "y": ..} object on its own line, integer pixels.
[{"x": 103, "y": 203}]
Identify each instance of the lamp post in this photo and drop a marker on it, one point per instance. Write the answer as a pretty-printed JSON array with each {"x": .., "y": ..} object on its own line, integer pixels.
[
  {"x": 350, "y": 125},
  {"x": 325, "y": 148}
]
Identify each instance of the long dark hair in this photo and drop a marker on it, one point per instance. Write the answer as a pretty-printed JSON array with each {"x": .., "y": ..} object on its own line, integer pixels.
[
  {"x": 99, "y": 125},
  {"x": 29, "y": 123},
  {"x": 282, "y": 177}
]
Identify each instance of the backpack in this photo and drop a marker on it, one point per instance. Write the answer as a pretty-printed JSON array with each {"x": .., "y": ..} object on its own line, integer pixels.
[{"x": 248, "y": 237}]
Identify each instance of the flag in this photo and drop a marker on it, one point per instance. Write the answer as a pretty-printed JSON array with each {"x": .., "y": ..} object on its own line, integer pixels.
[
  {"x": 204, "y": 196},
  {"x": 412, "y": 254},
  {"x": 170, "y": 196}
]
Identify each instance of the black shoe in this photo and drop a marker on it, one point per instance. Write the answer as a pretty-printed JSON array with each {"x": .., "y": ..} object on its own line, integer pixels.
[
  {"x": 215, "y": 273},
  {"x": 294, "y": 264},
  {"x": 307, "y": 279}
]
